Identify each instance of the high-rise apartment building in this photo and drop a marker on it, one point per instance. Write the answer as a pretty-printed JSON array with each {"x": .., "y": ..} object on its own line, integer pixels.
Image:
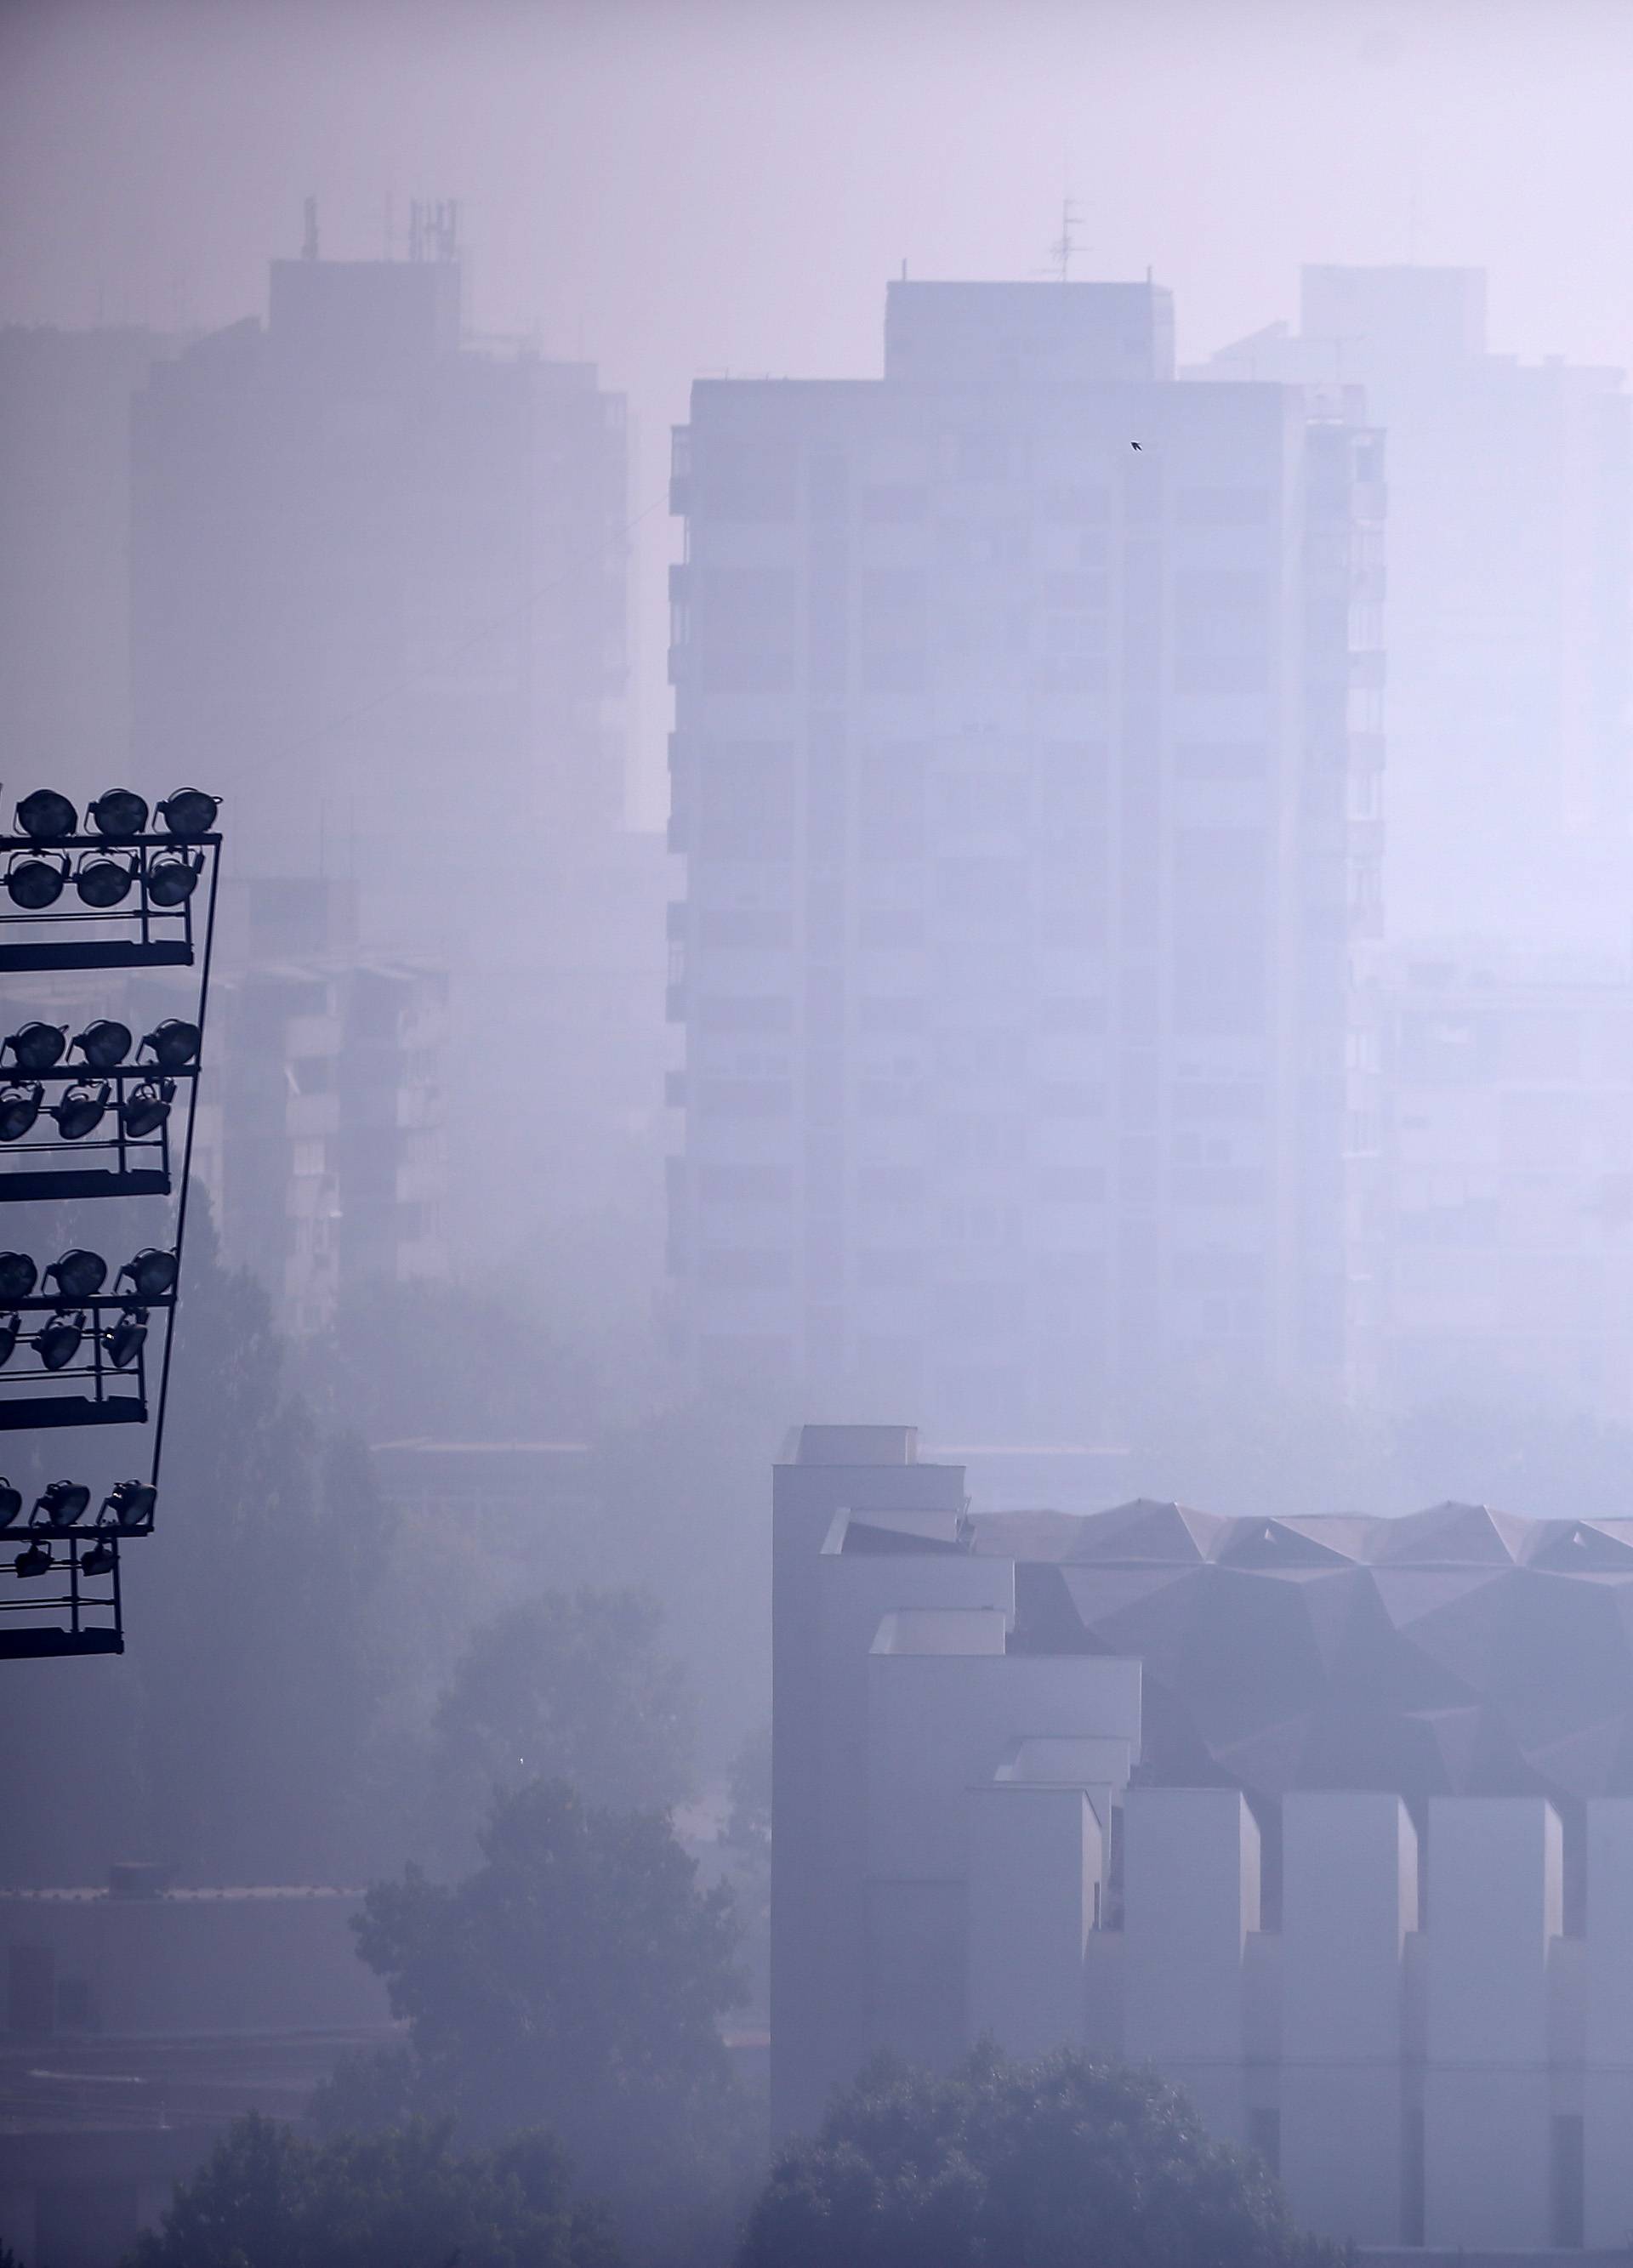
[
  {"x": 1505, "y": 1247},
  {"x": 1026, "y": 756},
  {"x": 1510, "y": 785},
  {"x": 380, "y": 603},
  {"x": 320, "y": 1140},
  {"x": 64, "y": 548}
]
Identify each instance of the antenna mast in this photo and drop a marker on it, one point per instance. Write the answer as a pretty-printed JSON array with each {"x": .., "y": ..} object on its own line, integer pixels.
[{"x": 1064, "y": 244}]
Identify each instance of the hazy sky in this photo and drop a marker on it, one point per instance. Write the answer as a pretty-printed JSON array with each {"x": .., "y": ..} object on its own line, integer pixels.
[{"x": 706, "y": 185}]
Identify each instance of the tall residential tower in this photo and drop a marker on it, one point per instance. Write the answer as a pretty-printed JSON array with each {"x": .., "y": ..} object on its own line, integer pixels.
[
  {"x": 380, "y": 601},
  {"x": 1510, "y": 793},
  {"x": 1026, "y": 762}
]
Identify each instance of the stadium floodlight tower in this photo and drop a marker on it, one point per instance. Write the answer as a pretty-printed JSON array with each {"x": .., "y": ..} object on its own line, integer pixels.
[{"x": 88, "y": 1109}]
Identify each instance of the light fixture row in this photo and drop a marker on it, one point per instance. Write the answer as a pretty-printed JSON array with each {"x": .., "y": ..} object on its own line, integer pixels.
[
  {"x": 128, "y": 1507},
  {"x": 119, "y": 814},
  {"x": 58, "y": 1342},
  {"x": 103, "y": 1045},
  {"x": 80, "y": 1275},
  {"x": 35, "y": 880},
  {"x": 141, "y": 1110},
  {"x": 98, "y": 1559}
]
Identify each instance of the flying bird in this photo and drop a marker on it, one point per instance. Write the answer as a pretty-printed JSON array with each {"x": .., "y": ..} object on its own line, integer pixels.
[{"x": 1134, "y": 445}]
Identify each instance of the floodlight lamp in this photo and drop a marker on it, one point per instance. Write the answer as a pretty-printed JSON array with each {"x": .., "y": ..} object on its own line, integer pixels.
[
  {"x": 17, "y": 1276},
  {"x": 37, "y": 1047},
  {"x": 175, "y": 1044},
  {"x": 120, "y": 814},
  {"x": 35, "y": 880},
  {"x": 145, "y": 1109},
  {"x": 79, "y": 1274},
  {"x": 61, "y": 1504},
  {"x": 19, "y": 1106},
  {"x": 152, "y": 1273},
  {"x": 103, "y": 880},
  {"x": 189, "y": 812},
  {"x": 129, "y": 1505},
  {"x": 104, "y": 1044},
  {"x": 9, "y": 1327},
  {"x": 36, "y": 1560},
  {"x": 45, "y": 816},
  {"x": 81, "y": 1110},
  {"x": 172, "y": 877},
  {"x": 100, "y": 1559},
  {"x": 59, "y": 1341},
  {"x": 11, "y": 1502},
  {"x": 127, "y": 1338}
]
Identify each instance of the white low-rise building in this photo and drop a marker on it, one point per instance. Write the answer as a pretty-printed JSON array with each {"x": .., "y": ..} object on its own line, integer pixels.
[{"x": 1331, "y": 1820}]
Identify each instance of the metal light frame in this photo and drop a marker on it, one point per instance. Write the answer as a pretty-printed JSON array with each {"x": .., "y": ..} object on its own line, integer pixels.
[{"x": 68, "y": 935}]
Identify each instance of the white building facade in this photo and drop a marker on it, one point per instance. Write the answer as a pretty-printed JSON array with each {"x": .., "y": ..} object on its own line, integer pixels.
[{"x": 1415, "y": 2000}]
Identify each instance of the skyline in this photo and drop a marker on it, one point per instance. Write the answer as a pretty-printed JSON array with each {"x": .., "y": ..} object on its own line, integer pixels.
[{"x": 1401, "y": 139}]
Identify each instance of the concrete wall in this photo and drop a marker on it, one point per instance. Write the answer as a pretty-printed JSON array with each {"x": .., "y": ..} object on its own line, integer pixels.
[
  {"x": 1192, "y": 1892},
  {"x": 1496, "y": 1895},
  {"x": 1349, "y": 1900},
  {"x": 1452, "y": 2073},
  {"x": 193, "y": 1962}
]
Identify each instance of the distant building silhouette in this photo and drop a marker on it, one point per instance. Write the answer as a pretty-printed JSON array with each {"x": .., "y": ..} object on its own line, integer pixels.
[
  {"x": 1508, "y": 615},
  {"x": 380, "y": 602},
  {"x": 1504, "y": 1253},
  {"x": 322, "y": 1139},
  {"x": 1329, "y": 1820},
  {"x": 1028, "y": 786},
  {"x": 138, "y": 2021},
  {"x": 65, "y": 551}
]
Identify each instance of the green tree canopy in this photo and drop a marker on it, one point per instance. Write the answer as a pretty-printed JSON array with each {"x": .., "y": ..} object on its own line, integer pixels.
[
  {"x": 267, "y": 2199},
  {"x": 575, "y": 1981},
  {"x": 569, "y": 1687},
  {"x": 1062, "y": 2163}
]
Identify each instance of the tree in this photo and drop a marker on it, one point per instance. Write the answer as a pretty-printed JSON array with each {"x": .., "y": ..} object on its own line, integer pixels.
[
  {"x": 575, "y": 1981},
  {"x": 248, "y": 1608},
  {"x": 749, "y": 1790},
  {"x": 267, "y": 2199},
  {"x": 746, "y": 1839},
  {"x": 1054, "y": 2163},
  {"x": 569, "y": 1688},
  {"x": 232, "y": 1741}
]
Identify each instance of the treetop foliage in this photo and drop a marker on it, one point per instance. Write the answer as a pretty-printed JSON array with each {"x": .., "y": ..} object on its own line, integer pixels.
[
  {"x": 574, "y": 1981},
  {"x": 570, "y": 1686},
  {"x": 1060, "y": 2163},
  {"x": 267, "y": 2199}
]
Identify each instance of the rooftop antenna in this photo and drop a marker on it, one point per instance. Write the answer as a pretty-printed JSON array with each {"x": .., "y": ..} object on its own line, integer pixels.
[
  {"x": 1064, "y": 244},
  {"x": 309, "y": 240}
]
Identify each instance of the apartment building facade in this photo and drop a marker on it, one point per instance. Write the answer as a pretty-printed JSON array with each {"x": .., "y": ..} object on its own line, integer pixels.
[
  {"x": 1504, "y": 1239},
  {"x": 1327, "y": 1819},
  {"x": 380, "y": 602},
  {"x": 1510, "y": 797},
  {"x": 1027, "y": 744}
]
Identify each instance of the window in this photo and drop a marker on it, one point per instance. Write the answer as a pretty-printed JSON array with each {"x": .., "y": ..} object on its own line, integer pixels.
[
  {"x": 740, "y": 476},
  {"x": 746, "y": 801}
]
